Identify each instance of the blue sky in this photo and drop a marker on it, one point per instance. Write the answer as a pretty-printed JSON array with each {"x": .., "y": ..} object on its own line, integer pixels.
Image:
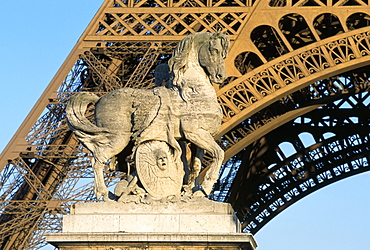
[{"x": 36, "y": 39}]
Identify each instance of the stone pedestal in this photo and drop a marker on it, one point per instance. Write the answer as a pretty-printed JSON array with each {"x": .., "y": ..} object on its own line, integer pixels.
[{"x": 174, "y": 226}]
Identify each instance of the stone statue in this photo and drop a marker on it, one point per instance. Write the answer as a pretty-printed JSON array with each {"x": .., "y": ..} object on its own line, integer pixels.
[
  {"x": 157, "y": 170},
  {"x": 150, "y": 123}
]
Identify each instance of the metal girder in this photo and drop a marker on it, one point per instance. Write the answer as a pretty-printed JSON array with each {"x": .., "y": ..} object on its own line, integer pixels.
[
  {"x": 291, "y": 106},
  {"x": 326, "y": 145},
  {"x": 288, "y": 59}
]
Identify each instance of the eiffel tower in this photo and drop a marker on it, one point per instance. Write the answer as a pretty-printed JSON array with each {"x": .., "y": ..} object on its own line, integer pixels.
[{"x": 297, "y": 80}]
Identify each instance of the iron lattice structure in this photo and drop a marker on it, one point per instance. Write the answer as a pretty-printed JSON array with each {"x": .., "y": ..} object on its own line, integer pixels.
[{"x": 297, "y": 68}]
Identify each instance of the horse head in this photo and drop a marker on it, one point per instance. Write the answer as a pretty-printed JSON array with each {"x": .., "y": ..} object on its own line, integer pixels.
[
  {"x": 211, "y": 50},
  {"x": 211, "y": 57}
]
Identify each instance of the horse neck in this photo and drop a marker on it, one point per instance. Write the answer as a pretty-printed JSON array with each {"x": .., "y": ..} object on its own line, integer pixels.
[
  {"x": 195, "y": 74},
  {"x": 194, "y": 70}
]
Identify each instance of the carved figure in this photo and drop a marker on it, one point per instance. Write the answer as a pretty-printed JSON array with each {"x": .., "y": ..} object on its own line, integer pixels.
[
  {"x": 160, "y": 175},
  {"x": 187, "y": 111}
]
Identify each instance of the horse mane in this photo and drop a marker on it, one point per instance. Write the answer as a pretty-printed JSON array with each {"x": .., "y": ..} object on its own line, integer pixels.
[
  {"x": 179, "y": 61},
  {"x": 225, "y": 42}
]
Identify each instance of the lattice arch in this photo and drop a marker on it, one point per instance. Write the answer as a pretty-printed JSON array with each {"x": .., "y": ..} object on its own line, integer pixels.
[{"x": 326, "y": 145}]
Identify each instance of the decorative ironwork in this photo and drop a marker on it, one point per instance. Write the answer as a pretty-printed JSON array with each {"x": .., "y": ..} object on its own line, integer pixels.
[
  {"x": 247, "y": 91},
  {"x": 355, "y": 81},
  {"x": 338, "y": 146}
]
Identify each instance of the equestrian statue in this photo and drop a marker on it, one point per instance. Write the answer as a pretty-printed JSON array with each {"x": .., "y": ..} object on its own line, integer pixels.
[{"x": 149, "y": 124}]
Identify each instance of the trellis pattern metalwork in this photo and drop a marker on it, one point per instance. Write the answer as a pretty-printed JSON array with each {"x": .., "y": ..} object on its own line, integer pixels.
[
  {"x": 251, "y": 88},
  {"x": 172, "y": 18},
  {"x": 340, "y": 148},
  {"x": 314, "y": 94}
]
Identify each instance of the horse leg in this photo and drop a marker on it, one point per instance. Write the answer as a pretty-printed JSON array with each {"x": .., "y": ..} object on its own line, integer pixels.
[
  {"x": 204, "y": 140},
  {"x": 102, "y": 153},
  {"x": 195, "y": 165},
  {"x": 100, "y": 187}
]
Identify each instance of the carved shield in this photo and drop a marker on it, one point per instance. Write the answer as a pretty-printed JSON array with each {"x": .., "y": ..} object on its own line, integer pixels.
[{"x": 160, "y": 174}]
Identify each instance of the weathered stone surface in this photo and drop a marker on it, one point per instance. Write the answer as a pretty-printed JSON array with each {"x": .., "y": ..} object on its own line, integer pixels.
[
  {"x": 157, "y": 169},
  {"x": 198, "y": 206},
  {"x": 153, "y": 121},
  {"x": 151, "y": 223},
  {"x": 197, "y": 225},
  {"x": 152, "y": 241},
  {"x": 200, "y": 217},
  {"x": 154, "y": 210}
]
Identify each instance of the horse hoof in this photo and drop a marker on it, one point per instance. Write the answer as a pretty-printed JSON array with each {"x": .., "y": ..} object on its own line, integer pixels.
[{"x": 98, "y": 196}]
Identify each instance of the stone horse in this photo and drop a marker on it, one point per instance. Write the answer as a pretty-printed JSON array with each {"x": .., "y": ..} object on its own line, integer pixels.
[{"x": 187, "y": 111}]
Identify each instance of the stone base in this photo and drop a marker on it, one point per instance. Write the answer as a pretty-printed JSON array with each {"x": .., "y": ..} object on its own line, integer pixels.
[
  {"x": 152, "y": 241},
  {"x": 204, "y": 216},
  {"x": 197, "y": 225}
]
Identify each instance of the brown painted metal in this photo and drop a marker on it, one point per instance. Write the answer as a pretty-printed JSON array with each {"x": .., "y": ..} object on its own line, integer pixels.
[{"x": 282, "y": 52}]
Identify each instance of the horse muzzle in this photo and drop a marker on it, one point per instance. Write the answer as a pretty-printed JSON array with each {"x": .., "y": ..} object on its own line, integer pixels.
[{"x": 218, "y": 78}]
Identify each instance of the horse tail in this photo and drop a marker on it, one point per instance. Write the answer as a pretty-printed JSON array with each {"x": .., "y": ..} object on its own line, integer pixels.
[{"x": 75, "y": 111}]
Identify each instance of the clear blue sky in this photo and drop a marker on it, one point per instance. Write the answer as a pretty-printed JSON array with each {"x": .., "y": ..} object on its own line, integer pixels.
[{"x": 37, "y": 36}]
